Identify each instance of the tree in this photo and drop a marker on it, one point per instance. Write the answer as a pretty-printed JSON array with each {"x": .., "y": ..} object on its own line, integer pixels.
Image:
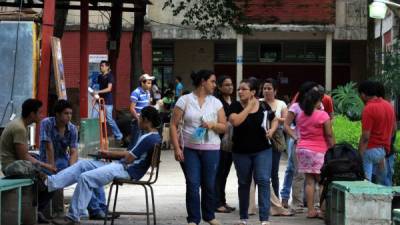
[
  {"x": 390, "y": 76},
  {"x": 209, "y": 17}
]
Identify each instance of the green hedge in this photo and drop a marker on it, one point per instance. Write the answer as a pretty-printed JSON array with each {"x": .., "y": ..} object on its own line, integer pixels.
[{"x": 346, "y": 130}]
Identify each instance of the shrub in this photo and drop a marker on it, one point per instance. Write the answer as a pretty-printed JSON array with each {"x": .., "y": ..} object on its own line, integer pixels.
[
  {"x": 347, "y": 102},
  {"x": 346, "y": 130}
]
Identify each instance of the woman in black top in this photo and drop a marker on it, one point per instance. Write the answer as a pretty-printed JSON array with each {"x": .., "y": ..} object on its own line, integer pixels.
[
  {"x": 225, "y": 90},
  {"x": 252, "y": 152}
]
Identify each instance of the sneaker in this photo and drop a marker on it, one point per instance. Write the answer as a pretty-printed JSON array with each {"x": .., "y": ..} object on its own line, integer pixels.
[
  {"x": 102, "y": 216},
  {"x": 265, "y": 223},
  {"x": 65, "y": 221},
  {"x": 192, "y": 223},
  {"x": 214, "y": 222}
]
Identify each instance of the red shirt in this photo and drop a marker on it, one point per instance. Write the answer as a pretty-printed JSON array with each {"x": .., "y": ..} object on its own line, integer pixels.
[
  {"x": 328, "y": 104},
  {"x": 378, "y": 117}
]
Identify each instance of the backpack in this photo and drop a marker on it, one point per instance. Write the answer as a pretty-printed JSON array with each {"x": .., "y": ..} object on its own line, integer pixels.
[{"x": 342, "y": 162}]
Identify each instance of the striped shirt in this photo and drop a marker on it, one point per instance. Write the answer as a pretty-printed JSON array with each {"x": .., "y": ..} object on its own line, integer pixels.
[{"x": 141, "y": 98}]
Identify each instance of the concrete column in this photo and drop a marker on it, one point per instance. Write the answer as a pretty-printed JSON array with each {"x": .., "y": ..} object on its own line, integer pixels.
[
  {"x": 328, "y": 62},
  {"x": 239, "y": 59}
]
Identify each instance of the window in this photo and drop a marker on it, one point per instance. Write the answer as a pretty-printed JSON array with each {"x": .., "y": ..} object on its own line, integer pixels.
[
  {"x": 270, "y": 52},
  {"x": 225, "y": 52}
]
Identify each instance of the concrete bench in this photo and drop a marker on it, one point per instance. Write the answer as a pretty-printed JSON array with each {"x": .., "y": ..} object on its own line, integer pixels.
[
  {"x": 17, "y": 202},
  {"x": 358, "y": 202}
]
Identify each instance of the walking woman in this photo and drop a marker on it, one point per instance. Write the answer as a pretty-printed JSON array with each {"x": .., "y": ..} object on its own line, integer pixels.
[
  {"x": 197, "y": 145},
  {"x": 280, "y": 109},
  {"x": 224, "y": 93},
  {"x": 315, "y": 137},
  {"x": 252, "y": 152}
]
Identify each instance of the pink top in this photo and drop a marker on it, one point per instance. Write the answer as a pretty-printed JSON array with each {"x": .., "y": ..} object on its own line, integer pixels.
[{"x": 311, "y": 129}]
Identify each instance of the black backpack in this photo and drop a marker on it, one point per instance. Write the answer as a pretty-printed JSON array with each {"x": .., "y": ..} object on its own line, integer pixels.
[{"x": 342, "y": 163}]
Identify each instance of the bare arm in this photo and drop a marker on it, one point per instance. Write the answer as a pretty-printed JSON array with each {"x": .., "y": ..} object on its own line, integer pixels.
[
  {"x": 73, "y": 156},
  {"x": 238, "y": 118},
  {"x": 220, "y": 125},
  {"x": 330, "y": 139},
  {"x": 132, "y": 110},
  {"x": 177, "y": 114},
  {"x": 23, "y": 154},
  {"x": 364, "y": 139},
  {"x": 113, "y": 154},
  {"x": 286, "y": 126},
  {"x": 50, "y": 153},
  {"x": 284, "y": 114},
  {"x": 105, "y": 90}
]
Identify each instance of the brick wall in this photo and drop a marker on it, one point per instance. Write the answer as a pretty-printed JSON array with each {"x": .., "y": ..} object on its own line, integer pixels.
[
  {"x": 97, "y": 45},
  {"x": 289, "y": 11}
]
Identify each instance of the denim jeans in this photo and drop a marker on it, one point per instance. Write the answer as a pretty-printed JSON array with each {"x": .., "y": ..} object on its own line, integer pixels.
[
  {"x": 135, "y": 134},
  {"x": 97, "y": 203},
  {"x": 290, "y": 170},
  {"x": 90, "y": 175},
  {"x": 374, "y": 159},
  {"x": 224, "y": 167},
  {"x": 200, "y": 167},
  {"x": 110, "y": 121},
  {"x": 390, "y": 161},
  {"x": 258, "y": 165}
]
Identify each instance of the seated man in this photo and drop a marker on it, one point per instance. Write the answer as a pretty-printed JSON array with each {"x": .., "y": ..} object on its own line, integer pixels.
[
  {"x": 93, "y": 174},
  {"x": 58, "y": 147},
  {"x": 14, "y": 147}
]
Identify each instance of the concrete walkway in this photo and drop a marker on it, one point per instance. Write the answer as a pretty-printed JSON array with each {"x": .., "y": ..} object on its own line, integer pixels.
[{"x": 170, "y": 199}]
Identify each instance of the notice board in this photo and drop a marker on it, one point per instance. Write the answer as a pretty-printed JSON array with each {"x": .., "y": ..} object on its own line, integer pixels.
[{"x": 58, "y": 68}]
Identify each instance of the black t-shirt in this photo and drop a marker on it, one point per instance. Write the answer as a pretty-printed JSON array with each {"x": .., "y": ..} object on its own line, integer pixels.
[
  {"x": 249, "y": 136},
  {"x": 103, "y": 81}
]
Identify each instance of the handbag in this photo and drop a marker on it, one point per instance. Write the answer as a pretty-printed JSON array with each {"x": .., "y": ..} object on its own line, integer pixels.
[
  {"x": 226, "y": 141},
  {"x": 278, "y": 141}
]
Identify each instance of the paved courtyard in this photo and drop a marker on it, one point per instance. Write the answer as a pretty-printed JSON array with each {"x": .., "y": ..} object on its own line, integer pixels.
[{"x": 170, "y": 199}]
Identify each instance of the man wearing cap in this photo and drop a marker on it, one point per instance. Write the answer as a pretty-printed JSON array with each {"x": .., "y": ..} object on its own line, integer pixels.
[{"x": 140, "y": 98}]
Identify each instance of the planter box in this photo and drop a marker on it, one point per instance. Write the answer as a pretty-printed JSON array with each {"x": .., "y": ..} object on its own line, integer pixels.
[{"x": 358, "y": 202}]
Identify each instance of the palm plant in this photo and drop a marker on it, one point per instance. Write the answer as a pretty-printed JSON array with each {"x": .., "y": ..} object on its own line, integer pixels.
[{"x": 347, "y": 102}]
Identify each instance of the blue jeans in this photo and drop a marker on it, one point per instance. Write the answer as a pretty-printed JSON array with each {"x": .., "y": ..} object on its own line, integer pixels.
[
  {"x": 90, "y": 175},
  {"x": 135, "y": 134},
  {"x": 258, "y": 164},
  {"x": 97, "y": 203},
  {"x": 374, "y": 159},
  {"x": 200, "y": 167},
  {"x": 390, "y": 161},
  {"x": 110, "y": 121},
  {"x": 290, "y": 170}
]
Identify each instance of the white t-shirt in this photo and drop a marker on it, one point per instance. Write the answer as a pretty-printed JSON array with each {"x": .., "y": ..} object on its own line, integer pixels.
[{"x": 193, "y": 115}]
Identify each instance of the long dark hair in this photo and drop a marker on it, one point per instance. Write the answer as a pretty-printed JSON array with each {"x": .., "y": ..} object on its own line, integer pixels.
[
  {"x": 304, "y": 88},
  {"x": 310, "y": 98},
  {"x": 199, "y": 76},
  {"x": 220, "y": 81}
]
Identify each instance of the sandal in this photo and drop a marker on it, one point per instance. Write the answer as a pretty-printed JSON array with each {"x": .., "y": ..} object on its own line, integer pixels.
[
  {"x": 312, "y": 214},
  {"x": 285, "y": 213},
  {"x": 265, "y": 223},
  {"x": 321, "y": 215},
  {"x": 242, "y": 222},
  {"x": 230, "y": 207},
  {"x": 223, "y": 209}
]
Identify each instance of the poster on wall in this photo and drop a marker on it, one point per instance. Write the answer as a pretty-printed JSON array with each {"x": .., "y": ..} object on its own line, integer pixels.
[
  {"x": 58, "y": 68},
  {"x": 94, "y": 72}
]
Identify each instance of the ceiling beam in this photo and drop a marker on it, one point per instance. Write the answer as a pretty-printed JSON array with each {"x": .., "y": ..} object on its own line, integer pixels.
[{"x": 76, "y": 7}]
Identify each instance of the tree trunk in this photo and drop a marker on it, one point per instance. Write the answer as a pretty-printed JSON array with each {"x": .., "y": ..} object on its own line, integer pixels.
[
  {"x": 60, "y": 19},
  {"x": 136, "y": 48},
  {"x": 370, "y": 46}
]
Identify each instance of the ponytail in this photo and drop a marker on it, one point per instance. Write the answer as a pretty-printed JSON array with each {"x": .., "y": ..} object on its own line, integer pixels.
[{"x": 309, "y": 100}]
